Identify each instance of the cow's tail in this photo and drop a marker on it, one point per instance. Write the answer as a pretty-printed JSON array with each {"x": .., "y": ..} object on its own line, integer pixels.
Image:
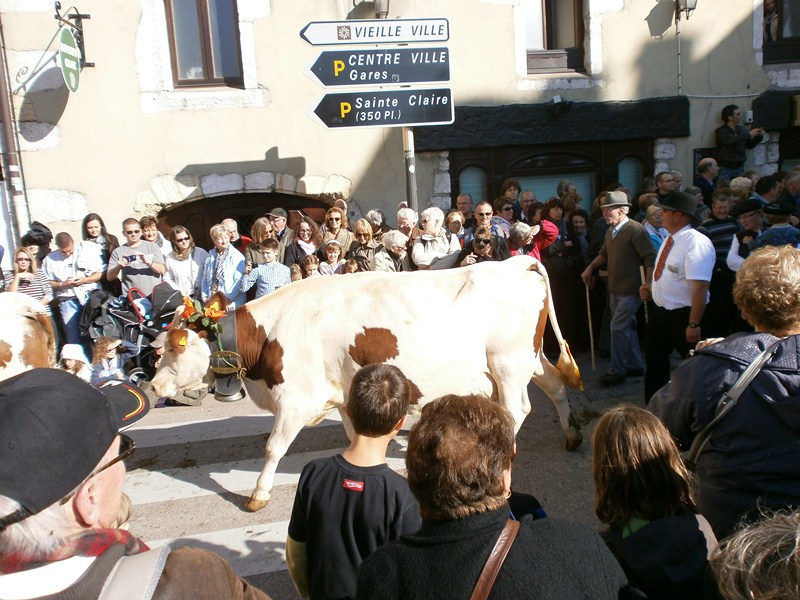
[{"x": 566, "y": 363}]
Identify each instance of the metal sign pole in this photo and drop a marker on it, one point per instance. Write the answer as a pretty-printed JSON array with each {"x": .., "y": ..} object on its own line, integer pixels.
[{"x": 411, "y": 168}]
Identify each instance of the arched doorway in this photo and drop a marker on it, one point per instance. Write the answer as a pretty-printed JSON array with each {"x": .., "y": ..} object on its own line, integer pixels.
[{"x": 199, "y": 216}]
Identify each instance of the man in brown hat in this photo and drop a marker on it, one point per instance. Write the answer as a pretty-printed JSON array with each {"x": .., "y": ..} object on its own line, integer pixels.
[
  {"x": 679, "y": 290},
  {"x": 626, "y": 247}
]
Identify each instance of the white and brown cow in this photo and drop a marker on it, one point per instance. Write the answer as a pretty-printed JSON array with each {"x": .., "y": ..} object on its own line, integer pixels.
[
  {"x": 26, "y": 337},
  {"x": 474, "y": 330}
]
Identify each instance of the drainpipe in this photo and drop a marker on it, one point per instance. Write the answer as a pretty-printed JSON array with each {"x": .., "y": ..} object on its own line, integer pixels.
[{"x": 13, "y": 165}]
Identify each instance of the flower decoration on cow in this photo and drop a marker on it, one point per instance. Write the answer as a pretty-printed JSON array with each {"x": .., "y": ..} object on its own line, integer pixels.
[{"x": 203, "y": 319}]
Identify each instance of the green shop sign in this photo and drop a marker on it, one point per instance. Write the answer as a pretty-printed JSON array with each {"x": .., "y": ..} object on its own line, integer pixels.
[{"x": 69, "y": 59}]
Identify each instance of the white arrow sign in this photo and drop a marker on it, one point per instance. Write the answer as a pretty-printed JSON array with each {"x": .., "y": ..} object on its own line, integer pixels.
[{"x": 377, "y": 31}]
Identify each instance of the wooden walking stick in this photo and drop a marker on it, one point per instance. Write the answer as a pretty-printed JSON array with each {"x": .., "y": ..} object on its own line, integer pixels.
[
  {"x": 644, "y": 282},
  {"x": 591, "y": 330}
]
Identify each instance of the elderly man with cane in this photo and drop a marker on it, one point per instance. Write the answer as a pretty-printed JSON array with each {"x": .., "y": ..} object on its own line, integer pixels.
[{"x": 626, "y": 247}]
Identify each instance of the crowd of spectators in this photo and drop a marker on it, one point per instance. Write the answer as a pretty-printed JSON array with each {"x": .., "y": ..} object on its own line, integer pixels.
[{"x": 718, "y": 259}]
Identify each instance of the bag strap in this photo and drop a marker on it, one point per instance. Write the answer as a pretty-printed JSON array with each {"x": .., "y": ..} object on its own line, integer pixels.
[
  {"x": 136, "y": 577},
  {"x": 495, "y": 561},
  {"x": 729, "y": 400}
]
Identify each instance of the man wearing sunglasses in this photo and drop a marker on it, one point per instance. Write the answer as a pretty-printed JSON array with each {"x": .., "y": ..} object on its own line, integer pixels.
[
  {"x": 61, "y": 500},
  {"x": 137, "y": 263}
]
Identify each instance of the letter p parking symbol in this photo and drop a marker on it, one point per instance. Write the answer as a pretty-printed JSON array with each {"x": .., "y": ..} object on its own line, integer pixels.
[{"x": 344, "y": 108}]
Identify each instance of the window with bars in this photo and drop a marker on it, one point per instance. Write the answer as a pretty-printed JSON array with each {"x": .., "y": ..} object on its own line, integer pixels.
[{"x": 204, "y": 42}]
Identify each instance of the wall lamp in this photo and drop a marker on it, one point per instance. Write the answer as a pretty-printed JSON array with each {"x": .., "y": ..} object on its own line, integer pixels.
[
  {"x": 684, "y": 6},
  {"x": 381, "y": 8}
]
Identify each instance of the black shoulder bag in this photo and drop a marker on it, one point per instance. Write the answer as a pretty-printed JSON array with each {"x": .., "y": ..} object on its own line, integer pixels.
[{"x": 728, "y": 400}]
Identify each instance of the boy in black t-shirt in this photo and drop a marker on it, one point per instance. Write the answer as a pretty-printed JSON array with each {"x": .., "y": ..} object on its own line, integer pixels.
[{"x": 348, "y": 505}]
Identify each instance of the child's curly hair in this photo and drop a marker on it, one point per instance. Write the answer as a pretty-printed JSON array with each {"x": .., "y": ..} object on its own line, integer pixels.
[{"x": 101, "y": 346}]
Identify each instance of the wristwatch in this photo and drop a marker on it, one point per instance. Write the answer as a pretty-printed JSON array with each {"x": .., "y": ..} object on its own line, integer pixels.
[{"x": 693, "y": 325}]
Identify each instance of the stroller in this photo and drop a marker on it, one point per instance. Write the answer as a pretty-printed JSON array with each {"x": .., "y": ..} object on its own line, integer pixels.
[{"x": 133, "y": 318}]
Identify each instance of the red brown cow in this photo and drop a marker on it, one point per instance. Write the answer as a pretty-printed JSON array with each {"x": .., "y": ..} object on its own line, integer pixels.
[{"x": 474, "y": 330}]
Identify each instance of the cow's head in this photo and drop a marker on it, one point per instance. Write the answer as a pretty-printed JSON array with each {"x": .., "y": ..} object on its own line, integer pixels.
[{"x": 184, "y": 365}]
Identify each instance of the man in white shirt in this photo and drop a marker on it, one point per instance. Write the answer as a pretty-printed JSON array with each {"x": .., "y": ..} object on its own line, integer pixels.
[
  {"x": 73, "y": 271},
  {"x": 679, "y": 290}
]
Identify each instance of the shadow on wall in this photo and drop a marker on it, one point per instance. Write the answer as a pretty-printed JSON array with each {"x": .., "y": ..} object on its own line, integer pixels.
[
  {"x": 273, "y": 163},
  {"x": 43, "y": 104},
  {"x": 660, "y": 18}
]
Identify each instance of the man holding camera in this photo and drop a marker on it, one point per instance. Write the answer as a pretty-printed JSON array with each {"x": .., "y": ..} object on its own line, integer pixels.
[
  {"x": 732, "y": 141},
  {"x": 137, "y": 263}
]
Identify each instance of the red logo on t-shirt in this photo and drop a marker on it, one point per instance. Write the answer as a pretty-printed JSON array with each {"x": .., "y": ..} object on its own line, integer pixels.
[{"x": 356, "y": 486}]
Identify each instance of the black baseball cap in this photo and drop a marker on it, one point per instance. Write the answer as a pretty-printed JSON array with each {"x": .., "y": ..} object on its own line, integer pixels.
[{"x": 54, "y": 430}]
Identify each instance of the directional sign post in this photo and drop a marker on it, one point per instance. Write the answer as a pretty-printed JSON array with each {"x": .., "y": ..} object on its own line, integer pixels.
[
  {"x": 378, "y": 31},
  {"x": 396, "y": 108},
  {"x": 391, "y": 66}
]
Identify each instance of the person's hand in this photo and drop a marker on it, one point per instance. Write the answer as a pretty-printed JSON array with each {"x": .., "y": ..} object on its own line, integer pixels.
[
  {"x": 705, "y": 343},
  {"x": 693, "y": 334},
  {"x": 645, "y": 292},
  {"x": 25, "y": 276},
  {"x": 756, "y": 131},
  {"x": 568, "y": 244},
  {"x": 586, "y": 277},
  {"x": 469, "y": 259}
]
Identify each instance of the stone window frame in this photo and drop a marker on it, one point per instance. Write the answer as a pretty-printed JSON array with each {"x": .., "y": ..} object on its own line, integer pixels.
[
  {"x": 205, "y": 35},
  {"x": 154, "y": 68},
  {"x": 553, "y": 59}
]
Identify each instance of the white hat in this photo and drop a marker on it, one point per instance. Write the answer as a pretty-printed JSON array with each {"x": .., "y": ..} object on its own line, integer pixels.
[{"x": 73, "y": 352}]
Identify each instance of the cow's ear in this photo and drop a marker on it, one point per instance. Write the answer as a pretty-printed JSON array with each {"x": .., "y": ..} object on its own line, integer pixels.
[
  {"x": 177, "y": 317},
  {"x": 221, "y": 300},
  {"x": 177, "y": 339},
  {"x": 202, "y": 334}
]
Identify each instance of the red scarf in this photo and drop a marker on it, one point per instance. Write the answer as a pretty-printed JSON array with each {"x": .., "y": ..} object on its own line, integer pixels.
[{"x": 92, "y": 542}]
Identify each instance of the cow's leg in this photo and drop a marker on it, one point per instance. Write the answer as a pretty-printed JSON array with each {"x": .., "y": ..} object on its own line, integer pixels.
[
  {"x": 548, "y": 379},
  {"x": 287, "y": 426},
  {"x": 512, "y": 388}
]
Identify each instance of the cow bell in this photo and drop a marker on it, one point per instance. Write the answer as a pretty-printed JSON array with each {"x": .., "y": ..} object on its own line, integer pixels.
[{"x": 228, "y": 373}]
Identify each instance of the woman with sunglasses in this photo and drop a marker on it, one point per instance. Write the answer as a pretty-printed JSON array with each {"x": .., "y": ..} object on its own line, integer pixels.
[
  {"x": 503, "y": 214},
  {"x": 363, "y": 249},
  {"x": 336, "y": 227},
  {"x": 26, "y": 278},
  {"x": 185, "y": 263},
  {"x": 484, "y": 246}
]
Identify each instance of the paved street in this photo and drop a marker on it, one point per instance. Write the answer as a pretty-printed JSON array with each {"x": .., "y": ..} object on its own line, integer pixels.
[{"x": 195, "y": 467}]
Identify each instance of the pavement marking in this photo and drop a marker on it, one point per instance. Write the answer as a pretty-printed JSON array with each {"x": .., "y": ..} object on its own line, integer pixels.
[
  {"x": 251, "y": 550},
  {"x": 145, "y": 487}
]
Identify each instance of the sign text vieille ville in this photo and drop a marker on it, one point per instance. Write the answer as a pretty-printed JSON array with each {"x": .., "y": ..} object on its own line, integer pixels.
[
  {"x": 377, "y": 31},
  {"x": 387, "y": 65}
]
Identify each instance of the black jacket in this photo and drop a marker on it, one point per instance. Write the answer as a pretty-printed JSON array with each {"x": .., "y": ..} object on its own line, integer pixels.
[{"x": 752, "y": 458}]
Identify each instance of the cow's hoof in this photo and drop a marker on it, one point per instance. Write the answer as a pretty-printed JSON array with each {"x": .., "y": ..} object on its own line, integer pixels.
[
  {"x": 574, "y": 440},
  {"x": 254, "y": 505}
]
